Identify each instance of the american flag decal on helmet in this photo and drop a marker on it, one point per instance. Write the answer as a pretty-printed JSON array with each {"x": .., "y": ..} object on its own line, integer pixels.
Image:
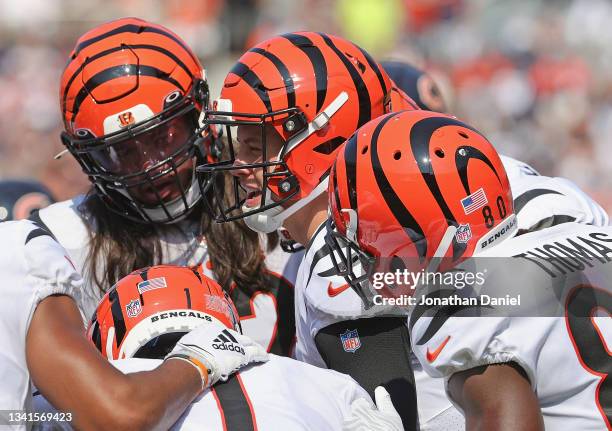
[
  {"x": 154, "y": 283},
  {"x": 475, "y": 201}
]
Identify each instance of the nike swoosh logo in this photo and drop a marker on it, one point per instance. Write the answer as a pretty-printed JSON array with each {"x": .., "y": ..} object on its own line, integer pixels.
[
  {"x": 432, "y": 356},
  {"x": 334, "y": 291}
]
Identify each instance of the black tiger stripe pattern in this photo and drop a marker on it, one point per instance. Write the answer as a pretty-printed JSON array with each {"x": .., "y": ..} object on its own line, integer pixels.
[
  {"x": 283, "y": 71},
  {"x": 319, "y": 66},
  {"x": 119, "y": 72},
  {"x": 131, "y": 28},
  {"x": 117, "y": 313},
  {"x": 365, "y": 104},
  {"x": 110, "y": 51},
  {"x": 251, "y": 78},
  {"x": 400, "y": 212}
]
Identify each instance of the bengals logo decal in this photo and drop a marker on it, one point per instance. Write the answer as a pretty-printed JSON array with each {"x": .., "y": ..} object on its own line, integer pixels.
[{"x": 126, "y": 118}]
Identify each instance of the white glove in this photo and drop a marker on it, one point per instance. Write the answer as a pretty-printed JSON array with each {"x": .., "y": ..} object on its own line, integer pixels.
[
  {"x": 217, "y": 352},
  {"x": 366, "y": 417}
]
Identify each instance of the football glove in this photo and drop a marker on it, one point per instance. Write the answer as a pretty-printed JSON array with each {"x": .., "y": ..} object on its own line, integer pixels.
[{"x": 217, "y": 352}]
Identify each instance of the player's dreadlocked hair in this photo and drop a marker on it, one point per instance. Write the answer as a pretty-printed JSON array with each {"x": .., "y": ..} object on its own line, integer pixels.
[{"x": 120, "y": 246}]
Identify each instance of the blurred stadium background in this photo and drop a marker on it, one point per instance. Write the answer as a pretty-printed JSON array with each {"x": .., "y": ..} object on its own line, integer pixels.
[{"x": 534, "y": 75}]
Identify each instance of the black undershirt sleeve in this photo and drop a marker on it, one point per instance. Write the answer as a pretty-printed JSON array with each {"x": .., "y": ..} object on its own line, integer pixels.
[{"x": 383, "y": 358}]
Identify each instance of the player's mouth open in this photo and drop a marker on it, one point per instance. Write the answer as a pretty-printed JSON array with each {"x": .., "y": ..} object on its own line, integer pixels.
[{"x": 253, "y": 198}]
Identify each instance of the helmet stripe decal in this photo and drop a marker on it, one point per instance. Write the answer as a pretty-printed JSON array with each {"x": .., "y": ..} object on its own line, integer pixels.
[
  {"x": 334, "y": 180},
  {"x": 117, "y": 313},
  {"x": 365, "y": 108},
  {"x": 420, "y": 139},
  {"x": 254, "y": 82},
  {"x": 112, "y": 50},
  {"x": 197, "y": 274},
  {"x": 462, "y": 162},
  {"x": 188, "y": 295},
  {"x": 284, "y": 72},
  {"x": 119, "y": 72},
  {"x": 350, "y": 159},
  {"x": 95, "y": 335},
  {"x": 375, "y": 67},
  {"x": 318, "y": 64},
  {"x": 393, "y": 201},
  {"x": 132, "y": 28}
]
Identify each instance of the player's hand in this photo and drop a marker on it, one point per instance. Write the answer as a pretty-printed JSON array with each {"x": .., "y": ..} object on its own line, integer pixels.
[
  {"x": 366, "y": 417},
  {"x": 217, "y": 352}
]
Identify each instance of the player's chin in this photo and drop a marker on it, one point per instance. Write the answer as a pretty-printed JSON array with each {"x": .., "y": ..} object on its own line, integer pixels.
[{"x": 163, "y": 190}]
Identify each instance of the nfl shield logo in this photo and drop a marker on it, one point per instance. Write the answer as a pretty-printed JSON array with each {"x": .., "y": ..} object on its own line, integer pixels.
[
  {"x": 464, "y": 233},
  {"x": 350, "y": 340},
  {"x": 133, "y": 309}
]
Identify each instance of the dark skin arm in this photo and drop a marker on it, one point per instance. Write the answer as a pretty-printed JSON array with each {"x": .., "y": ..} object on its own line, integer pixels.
[
  {"x": 496, "y": 397},
  {"x": 74, "y": 377}
]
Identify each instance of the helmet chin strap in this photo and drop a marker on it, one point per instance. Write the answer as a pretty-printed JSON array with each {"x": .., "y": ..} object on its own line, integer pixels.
[
  {"x": 272, "y": 219},
  {"x": 174, "y": 207}
]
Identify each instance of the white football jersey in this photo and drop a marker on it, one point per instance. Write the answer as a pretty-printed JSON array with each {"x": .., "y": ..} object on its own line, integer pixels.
[
  {"x": 267, "y": 317},
  {"x": 33, "y": 267},
  {"x": 323, "y": 298},
  {"x": 561, "y": 334},
  {"x": 281, "y": 394},
  {"x": 541, "y": 202}
]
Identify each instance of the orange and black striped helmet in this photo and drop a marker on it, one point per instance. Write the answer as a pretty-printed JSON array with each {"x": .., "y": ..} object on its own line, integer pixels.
[
  {"x": 314, "y": 90},
  {"x": 413, "y": 186},
  {"x": 147, "y": 311},
  {"x": 130, "y": 96}
]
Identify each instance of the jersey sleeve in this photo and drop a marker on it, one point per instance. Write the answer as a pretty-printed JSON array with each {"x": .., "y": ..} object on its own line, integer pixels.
[
  {"x": 48, "y": 269},
  {"x": 541, "y": 201},
  {"x": 466, "y": 342}
]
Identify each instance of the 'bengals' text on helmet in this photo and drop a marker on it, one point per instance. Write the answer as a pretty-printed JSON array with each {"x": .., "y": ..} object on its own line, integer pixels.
[{"x": 146, "y": 312}]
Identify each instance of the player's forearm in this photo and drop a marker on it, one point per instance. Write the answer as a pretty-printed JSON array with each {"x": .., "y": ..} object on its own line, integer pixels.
[
  {"x": 74, "y": 377},
  {"x": 139, "y": 401},
  {"x": 487, "y": 404}
]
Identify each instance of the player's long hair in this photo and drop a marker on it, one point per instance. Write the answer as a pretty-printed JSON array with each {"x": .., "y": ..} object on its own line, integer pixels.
[{"x": 124, "y": 246}]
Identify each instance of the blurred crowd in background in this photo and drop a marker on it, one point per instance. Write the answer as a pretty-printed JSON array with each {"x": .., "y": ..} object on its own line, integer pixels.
[{"x": 535, "y": 76}]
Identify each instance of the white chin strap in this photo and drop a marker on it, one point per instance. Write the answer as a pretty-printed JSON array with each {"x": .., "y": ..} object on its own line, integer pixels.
[
  {"x": 272, "y": 219},
  {"x": 174, "y": 207}
]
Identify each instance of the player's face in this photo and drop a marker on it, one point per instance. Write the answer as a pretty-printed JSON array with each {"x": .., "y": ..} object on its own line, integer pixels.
[
  {"x": 147, "y": 152},
  {"x": 250, "y": 151}
]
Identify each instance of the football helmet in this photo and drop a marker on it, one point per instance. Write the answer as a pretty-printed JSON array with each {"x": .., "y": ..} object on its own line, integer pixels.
[
  {"x": 130, "y": 96},
  {"x": 19, "y": 198},
  {"x": 411, "y": 188},
  {"x": 310, "y": 91},
  {"x": 146, "y": 312},
  {"x": 417, "y": 84}
]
